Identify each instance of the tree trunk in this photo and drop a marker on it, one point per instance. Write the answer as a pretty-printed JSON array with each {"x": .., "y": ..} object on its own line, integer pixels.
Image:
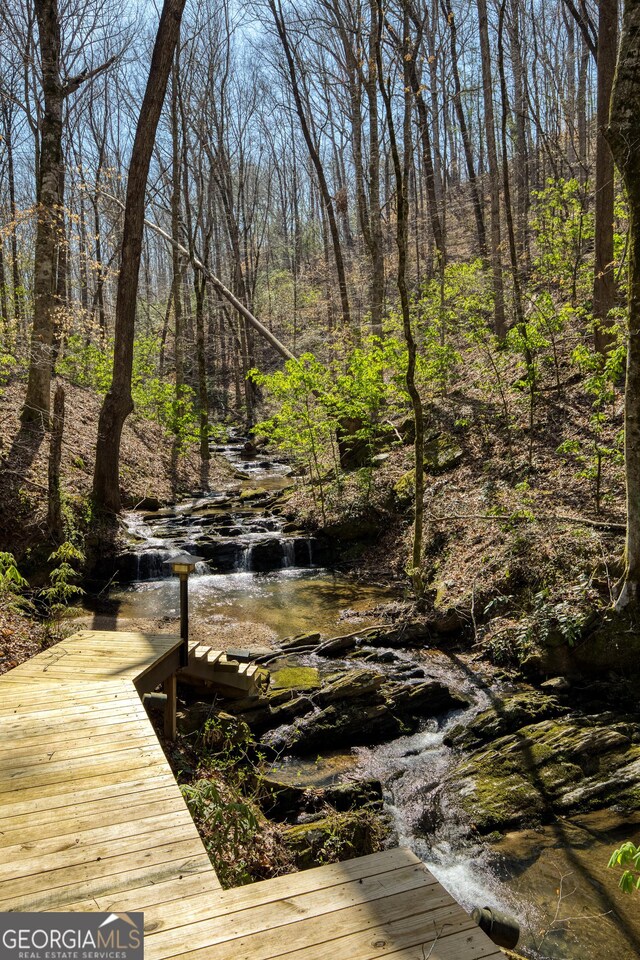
[
  {"x": 315, "y": 159},
  {"x": 4, "y": 313},
  {"x": 18, "y": 293},
  {"x": 494, "y": 172},
  {"x": 38, "y": 400},
  {"x": 118, "y": 403},
  {"x": 401, "y": 170},
  {"x": 476, "y": 192},
  {"x": 176, "y": 259},
  {"x": 54, "y": 518},
  {"x": 623, "y": 136},
  {"x": 604, "y": 283}
]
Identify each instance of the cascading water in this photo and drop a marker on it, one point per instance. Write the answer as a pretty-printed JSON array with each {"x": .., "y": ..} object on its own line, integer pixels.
[
  {"x": 289, "y": 554},
  {"x": 252, "y": 572},
  {"x": 244, "y": 560}
]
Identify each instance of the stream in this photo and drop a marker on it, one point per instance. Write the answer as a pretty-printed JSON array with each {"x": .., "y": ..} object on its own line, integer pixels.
[{"x": 261, "y": 580}]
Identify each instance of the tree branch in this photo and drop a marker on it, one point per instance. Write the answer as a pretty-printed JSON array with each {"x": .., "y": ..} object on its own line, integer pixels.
[
  {"x": 218, "y": 285},
  {"x": 587, "y": 27},
  {"x": 552, "y": 518},
  {"x": 71, "y": 84}
]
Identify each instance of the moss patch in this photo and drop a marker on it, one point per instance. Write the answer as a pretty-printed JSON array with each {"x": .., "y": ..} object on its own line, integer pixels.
[{"x": 296, "y": 678}]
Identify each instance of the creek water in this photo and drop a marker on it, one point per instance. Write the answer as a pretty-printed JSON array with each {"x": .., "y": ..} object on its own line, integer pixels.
[{"x": 258, "y": 571}]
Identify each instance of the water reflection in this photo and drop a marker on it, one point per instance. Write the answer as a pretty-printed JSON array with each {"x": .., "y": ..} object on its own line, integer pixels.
[{"x": 287, "y": 601}]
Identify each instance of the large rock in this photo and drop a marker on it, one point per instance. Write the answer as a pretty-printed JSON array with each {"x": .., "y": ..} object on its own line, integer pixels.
[
  {"x": 506, "y": 716},
  {"x": 335, "y": 838},
  {"x": 352, "y": 685},
  {"x": 362, "y": 708},
  {"x": 441, "y": 452},
  {"x": 568, "y": 764},
  {"x": 412, "y": 701}
]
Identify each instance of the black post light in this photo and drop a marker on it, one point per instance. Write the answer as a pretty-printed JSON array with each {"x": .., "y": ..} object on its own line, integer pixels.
[{"x": 182, "y": 566}]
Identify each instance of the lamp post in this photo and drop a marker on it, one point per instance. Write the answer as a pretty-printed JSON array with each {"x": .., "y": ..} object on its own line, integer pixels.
[{"x": 182, "y": 566}]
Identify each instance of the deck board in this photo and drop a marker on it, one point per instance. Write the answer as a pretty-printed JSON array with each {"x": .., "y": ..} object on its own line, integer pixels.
[{"x": 91, "y": 818}]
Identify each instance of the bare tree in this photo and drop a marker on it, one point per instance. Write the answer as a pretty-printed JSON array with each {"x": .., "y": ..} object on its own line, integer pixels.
[
  {"x": 118, "y": 403},
  {"x": 50, "y": 226},
  {"x": 624, "y": 135}
]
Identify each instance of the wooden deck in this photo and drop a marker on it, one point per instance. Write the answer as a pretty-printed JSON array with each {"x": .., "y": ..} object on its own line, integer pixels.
[{"x": 91, "y": 818}]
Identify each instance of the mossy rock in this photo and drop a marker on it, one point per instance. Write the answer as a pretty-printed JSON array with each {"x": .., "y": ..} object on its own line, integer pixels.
[
  {"x": 442, "y": 453},
  {"x": 332, "y": 839},
  {"x": 257, "y": 494},
  {"x": 353, "y": 684},
  {"x": 569, "y": 765},
  {"x": 404, "y": 490},
  {"x": 504, "y": 717},
  {"x": 296, "y": 678}
]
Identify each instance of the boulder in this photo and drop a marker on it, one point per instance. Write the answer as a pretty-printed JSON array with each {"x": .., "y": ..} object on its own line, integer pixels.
[
  {"x": 505, "y": 716},
  {"x": 351, "y": 685},
  {"x": 334, "y": 838},
  {"x": 412, "y": 701},
  {"x": 569, "y": 765},
  {"x": 442, "y": 452}
]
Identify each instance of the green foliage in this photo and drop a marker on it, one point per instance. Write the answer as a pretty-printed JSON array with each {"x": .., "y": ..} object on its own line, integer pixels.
[
  {"x": 563, "y": 236},
  {"x": 315, "y": 402},
  {"x": 227, "y": 826},
  {"x": 90, "y": 365},
  {"x": 62, "y": 591},
  {"x": 86, "y": 363},
  {"x": 12, "y": 585},
  {"x": 547, "y": 622},
  {"x": 462, "y": 302},
  {"x": 7, "y": 364},
  {"x": 627, "y": 857}
]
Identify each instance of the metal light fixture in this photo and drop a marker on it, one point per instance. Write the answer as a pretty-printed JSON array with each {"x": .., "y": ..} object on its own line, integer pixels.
[{"x": 182, "y": 566}]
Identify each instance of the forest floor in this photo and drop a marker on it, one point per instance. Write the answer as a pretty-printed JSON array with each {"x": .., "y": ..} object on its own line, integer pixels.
[
  {"x": 150, "y": 471},
  {"x": 516, "y": 547}
]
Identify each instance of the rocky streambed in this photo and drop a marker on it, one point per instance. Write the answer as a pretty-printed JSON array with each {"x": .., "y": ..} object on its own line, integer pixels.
[{"x": 514, "y": 795}]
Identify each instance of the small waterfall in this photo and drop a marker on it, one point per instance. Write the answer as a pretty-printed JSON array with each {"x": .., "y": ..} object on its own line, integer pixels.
[
  {"x": 202, "y": 567},
  {"x": 288, "y": 554},
  {"x": 244, "y": 560},
  {"x": 148, "y": 565}
]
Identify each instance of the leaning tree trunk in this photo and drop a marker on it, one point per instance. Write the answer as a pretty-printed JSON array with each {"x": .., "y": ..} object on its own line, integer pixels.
[
  {"x": 38, "y": 400},
  {"x": 118, "y": 403},
  {"x": 624, "y": 136}
]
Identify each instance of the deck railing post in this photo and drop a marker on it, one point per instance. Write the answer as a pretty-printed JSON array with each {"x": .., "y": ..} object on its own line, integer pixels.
[{"x": 170, "y": 719}]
